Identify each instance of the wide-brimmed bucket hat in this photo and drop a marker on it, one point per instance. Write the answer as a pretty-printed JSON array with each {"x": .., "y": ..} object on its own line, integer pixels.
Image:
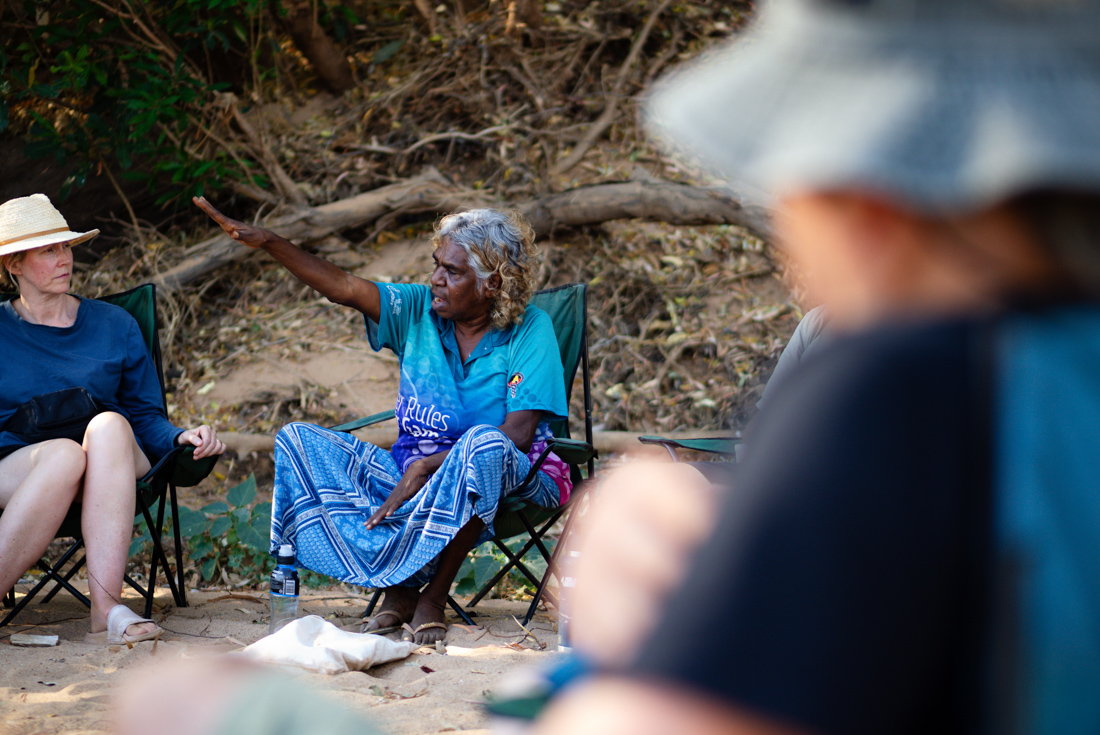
[
  {"x": 33, "y": 222},
  {"x": 945, "y": 105}
]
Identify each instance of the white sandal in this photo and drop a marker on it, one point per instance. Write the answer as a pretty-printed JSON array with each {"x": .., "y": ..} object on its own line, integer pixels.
[{"x": 119, "y": 619}]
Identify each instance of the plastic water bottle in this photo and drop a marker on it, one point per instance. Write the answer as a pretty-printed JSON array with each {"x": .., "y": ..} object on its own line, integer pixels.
[
  {"x": 565, "y": 603},
  {"x": 284, "y": 589}
]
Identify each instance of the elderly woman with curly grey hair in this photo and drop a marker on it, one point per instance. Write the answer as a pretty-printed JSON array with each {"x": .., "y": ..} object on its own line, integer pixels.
[{"x": 480, "y": 380}]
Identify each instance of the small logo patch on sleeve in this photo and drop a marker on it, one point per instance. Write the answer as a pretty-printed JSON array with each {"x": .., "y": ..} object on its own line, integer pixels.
[{"x": 513, "y": 383}]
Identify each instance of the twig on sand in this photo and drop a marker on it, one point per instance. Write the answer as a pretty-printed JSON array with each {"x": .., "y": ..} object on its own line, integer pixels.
[
  {"x": 527, "y": 634},
  {"x": 236, "y": 596}
]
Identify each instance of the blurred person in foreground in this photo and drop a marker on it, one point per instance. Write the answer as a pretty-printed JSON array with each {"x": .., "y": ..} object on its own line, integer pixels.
[{"x": 914, "y": 542}]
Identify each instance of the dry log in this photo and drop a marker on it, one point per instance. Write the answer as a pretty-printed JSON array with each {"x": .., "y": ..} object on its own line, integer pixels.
[
  {"x": 642, "y": 197},
  {"x": 30, "y": 640},
  {"x": 606, "y": 442}
]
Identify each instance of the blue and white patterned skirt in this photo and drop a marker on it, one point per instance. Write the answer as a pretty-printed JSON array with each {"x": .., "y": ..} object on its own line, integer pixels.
[{"x": 328, "y": 483}]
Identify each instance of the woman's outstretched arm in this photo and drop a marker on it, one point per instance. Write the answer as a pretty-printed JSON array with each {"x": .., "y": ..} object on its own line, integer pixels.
[{"x": 330, "y": 281}]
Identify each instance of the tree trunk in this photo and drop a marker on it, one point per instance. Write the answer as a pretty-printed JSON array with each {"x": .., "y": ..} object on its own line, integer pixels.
[{"x": 328, "y": 62}]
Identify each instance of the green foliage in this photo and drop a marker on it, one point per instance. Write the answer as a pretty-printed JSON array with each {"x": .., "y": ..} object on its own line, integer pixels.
[
  {"x": 131, "y": 90},
  {"x": 486, "y": 560},
  {"x": 232, "y": 535}
]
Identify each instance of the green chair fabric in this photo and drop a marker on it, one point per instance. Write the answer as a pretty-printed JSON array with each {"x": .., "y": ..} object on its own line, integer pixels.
[
  {"x": 567, "y": 307},
  {"x": 156, "y": 491}
]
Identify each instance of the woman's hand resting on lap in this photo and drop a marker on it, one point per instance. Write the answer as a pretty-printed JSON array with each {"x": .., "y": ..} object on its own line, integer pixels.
[
  {"x": 204, "y": 439},
  {"x": 409, "y": 485}
]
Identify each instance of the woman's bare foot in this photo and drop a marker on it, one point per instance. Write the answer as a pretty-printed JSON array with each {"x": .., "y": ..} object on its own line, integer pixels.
[
  {"x": 399, "y": 604},
  {"x": 429, "y": 611},
  {"x": 139, "y": 629}
]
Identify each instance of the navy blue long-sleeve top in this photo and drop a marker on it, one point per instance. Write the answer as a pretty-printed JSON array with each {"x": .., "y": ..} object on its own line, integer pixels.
[{"x": 102, "y": 352}]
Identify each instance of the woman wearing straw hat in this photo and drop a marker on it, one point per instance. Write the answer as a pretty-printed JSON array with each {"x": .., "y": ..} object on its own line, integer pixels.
[
  {"x": 929, "y": 559},
  {"x": 86, "y": 363}
]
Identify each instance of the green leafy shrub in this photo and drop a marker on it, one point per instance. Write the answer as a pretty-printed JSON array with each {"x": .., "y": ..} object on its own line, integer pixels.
[
  {"x": 231, "y": 535},
  {"x": 486, "y": 560},
  {"x": 131, "y": 90}
]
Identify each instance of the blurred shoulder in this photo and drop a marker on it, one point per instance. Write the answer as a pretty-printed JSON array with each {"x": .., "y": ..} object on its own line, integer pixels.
[{"x": 913, "y": 366}]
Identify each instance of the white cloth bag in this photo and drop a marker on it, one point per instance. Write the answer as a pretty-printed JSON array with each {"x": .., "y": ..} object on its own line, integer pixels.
[{"x": 313, "y": 644}]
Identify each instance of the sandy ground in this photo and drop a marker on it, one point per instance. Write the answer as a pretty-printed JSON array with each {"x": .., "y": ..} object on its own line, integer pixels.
[{"x": 70, "y": 688}]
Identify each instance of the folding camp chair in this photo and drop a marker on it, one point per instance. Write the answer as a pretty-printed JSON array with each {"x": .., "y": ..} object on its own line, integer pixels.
[
  {"x": 724, "y": 446},
  {"x": 178, "y": 468},
  {"x": 568, "y": 309},
  {"x": 718, "y": 472}
]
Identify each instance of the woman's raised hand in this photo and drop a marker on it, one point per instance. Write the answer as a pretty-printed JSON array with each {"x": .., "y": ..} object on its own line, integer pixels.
[
  {"x": 204, "y": 440},
  {"x": 246, "y": 234}
]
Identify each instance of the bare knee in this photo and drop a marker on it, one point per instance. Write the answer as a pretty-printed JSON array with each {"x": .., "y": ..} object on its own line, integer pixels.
[
  {"x": 108, "y": 425},
  {"x": 64, "y": 457}
]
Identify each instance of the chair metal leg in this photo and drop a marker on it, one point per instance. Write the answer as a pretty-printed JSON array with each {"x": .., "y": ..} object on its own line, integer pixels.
[
  {"x": 158, "y": 555},
  {"x": 373, "y": 602},
  {"x": 552, "y": 562},
  {"x": 50, "y": 574},
  {"x": 68, "y": 575},
  {"x": 511, "y": 564},
  {"x": 181, "y": 600},
  {"x": 53, "y": 574},
  {"x": 23, "y": 603},
  {"x": 535, "y": 535},
  {"x": 517, "y": 563},
  {"x": 458, "y": 609},
  {"x": 488, "y": 586},
  {"x": 154, "y": 534}
]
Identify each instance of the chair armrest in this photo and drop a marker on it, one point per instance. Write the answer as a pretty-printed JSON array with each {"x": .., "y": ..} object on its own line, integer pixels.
[
  {"x": 181, "y": 468},
  {"x": 725, "y": 445},
  {"x": 572, "y": 451},
  {"x": 189, "y": 471},
  {"x": 365, "y": 421}
]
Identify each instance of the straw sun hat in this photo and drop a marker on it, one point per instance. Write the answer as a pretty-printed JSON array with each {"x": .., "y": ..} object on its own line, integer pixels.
[
  {"x": 947, "y": 105},
  {"x": 33, "y": 222}
]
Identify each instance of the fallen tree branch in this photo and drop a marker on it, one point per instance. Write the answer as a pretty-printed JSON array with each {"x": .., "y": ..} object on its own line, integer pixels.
[
  {"x": 642, "y": 197},
  {"x": 430, "y": 187},
  {"x": 606, "y": 442}
]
